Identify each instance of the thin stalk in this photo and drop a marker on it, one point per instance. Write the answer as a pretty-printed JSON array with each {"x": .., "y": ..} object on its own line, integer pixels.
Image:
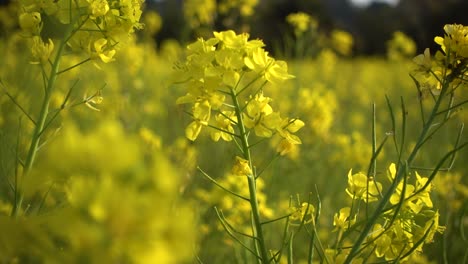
[
  {"x": 40, "y": 122},
  {"x": 260, "y": 242}
]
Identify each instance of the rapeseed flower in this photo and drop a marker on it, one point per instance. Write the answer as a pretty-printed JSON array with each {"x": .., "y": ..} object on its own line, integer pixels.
[
  {"x": 362, "y": 187},
  {"x": 241, "y": 167},
  {"x": 40, "y": 50}
]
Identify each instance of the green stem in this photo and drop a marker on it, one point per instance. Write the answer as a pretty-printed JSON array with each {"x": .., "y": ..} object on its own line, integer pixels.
[
  {"x": 399, "y": 175},
  {"x": 38, "y": 129},
  {"x": 258, "y": 232}
]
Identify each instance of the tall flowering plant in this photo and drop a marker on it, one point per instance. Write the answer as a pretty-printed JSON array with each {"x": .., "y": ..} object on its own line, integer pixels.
[{"x": 227, "y": 79}]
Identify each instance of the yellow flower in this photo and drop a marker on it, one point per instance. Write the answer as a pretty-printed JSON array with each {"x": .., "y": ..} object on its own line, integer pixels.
[
  {"x": 362, "y": 187},
  {"x": 455, "y": 40},
  {"x": 299, "y": 213},
  {"x": 424, "y": 60},
  {"x": 224, "y": 122},
  {"x": 258, "y": 61},
  {"x": 95, "y": 99},
  {"x": 432, "y": 226},
  {"x": 341, "y": 220},
  {"x": 400, "y": 46},
  {"x": 260, "y": 116},
  {"x": 201, "y": 115},
  {"x": 241, "y": 167},
  {"x": 98, "y": 8},
  {"x": 301, "y": 22},
  {"x": 41, "y": 51},
  {"x": 342, "y": 42},
  {"x": 103, "y": 51},
  {"x": 231, "y": 40}
]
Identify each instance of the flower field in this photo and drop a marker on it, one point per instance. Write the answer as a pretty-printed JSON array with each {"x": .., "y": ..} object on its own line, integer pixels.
[{"x": 115, "y": 149}]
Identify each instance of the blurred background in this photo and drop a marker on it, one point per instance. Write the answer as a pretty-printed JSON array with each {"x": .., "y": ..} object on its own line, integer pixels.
[{"x": 370, "y": 22}]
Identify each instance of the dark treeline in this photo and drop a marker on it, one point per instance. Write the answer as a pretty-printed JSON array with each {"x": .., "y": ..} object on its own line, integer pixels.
[{"x": 371, "y": 26}]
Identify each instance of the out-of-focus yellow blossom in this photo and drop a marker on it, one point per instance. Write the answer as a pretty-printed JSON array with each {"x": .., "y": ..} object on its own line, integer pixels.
[
  {"x": 362, "y": 187},
  {"x": 151, "y": 139},
  {"x": 342, "y": 42},
  {"x": 41, "y": 51},
  {"x": 400, "y": 47},
  {"x": 31, "y": 23},
  {"x": 245, "y": 7},
  {"x": 153, "y": 22},
  {"x": 241, "y": 167},
  {"x": 451, "y": 188},
  {"x": 301, "y": 22},
  {"x": 199, "y": 12},
  {"x": 318, "y": 105}
]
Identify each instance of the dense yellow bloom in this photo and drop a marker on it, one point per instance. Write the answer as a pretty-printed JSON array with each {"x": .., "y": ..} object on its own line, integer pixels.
[
  {"x": 216, "y": 70},
  {"x": 455, "y": 41}
]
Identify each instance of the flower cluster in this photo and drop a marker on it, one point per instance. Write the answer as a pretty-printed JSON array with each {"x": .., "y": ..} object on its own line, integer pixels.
[
  {"x": 97, "y": 26},
  {"x": 406, "y": 226},
  {"x": 431, "y": 71},
  {"x": 400, "y": 47},
  {"x": 301, "y": 22},
  {"x": 220, "y": 73},
  {"x": 342, "y": 42}
]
